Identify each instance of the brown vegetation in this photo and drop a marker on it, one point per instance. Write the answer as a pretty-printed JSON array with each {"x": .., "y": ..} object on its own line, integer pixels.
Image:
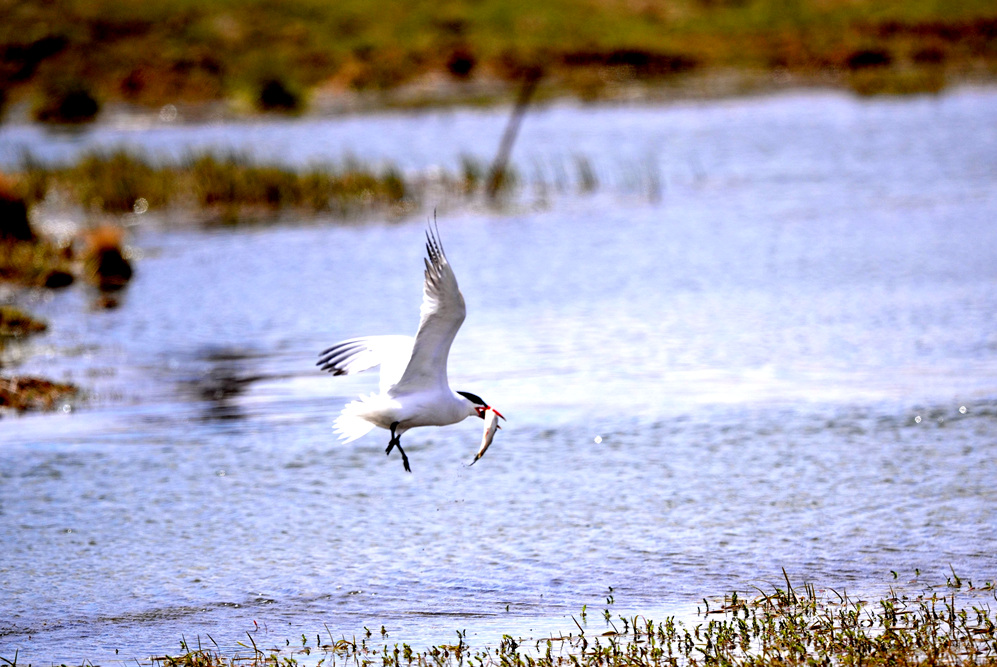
[
  {"x": 68, "y": 57},
  {"x": 15, "y": 323},
  {"x": 226, "y": 189},
  {"x": 24, "y": 394}
]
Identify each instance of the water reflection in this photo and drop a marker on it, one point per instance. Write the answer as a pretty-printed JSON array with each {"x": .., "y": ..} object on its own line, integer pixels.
[{"x": 223, "y": 375}]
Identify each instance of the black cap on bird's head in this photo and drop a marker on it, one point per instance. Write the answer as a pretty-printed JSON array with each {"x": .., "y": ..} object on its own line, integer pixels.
[{"x": 479, "y": 404}]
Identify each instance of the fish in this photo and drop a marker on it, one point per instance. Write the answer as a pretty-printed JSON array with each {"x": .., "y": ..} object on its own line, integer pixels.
[{"x": 491, "y": 425}]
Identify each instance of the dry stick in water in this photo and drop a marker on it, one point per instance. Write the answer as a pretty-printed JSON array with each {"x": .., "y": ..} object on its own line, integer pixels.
[{"x": 497, "y": 174}]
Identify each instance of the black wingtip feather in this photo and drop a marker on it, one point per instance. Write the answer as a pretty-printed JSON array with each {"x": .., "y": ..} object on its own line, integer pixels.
[
  {"x": 330, "y": 358},
  {"x": 434, "y": 248}
]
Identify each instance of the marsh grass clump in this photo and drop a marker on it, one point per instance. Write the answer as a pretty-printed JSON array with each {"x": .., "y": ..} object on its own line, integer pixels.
[
  {"x": 472, "y": 173},
  {"x": 99, "y": 181},
  {"x": 115, "y": 182},
  {"x": 811, "y": 627},
  {"x": 237, "y": 186},
  {"x": 231, "y": 188}
]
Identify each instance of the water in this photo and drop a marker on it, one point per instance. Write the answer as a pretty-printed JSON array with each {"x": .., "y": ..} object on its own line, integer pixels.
[{"x": 786, "y": 358}]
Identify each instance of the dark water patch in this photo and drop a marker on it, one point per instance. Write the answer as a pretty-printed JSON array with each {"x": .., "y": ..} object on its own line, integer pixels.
[{"x": 218, "y": 378}]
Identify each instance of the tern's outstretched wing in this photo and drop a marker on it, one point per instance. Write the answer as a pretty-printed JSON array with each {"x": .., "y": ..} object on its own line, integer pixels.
[
  {"x": 359, "y": 354},
  {"x": 442, "y": 314}
]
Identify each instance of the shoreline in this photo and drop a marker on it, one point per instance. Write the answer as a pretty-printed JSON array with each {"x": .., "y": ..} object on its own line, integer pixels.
[
  {"x": 436, "y": 91},
  {"x": 66, "y": 61}
]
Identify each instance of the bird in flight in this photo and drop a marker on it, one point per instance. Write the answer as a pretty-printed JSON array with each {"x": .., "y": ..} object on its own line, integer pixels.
[{"x": 413, "y": 389}]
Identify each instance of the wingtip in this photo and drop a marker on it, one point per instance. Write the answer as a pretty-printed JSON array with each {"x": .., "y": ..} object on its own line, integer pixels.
[{"x": 433, "y": 244}]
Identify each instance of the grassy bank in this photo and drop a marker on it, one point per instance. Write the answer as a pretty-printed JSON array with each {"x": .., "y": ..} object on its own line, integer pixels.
[
  {"x": 229, "y": 186},
  {"x": 69, "y": 56}
]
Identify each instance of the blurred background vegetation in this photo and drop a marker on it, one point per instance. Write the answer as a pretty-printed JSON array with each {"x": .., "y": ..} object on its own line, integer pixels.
[{"x": 68, "y": 57}]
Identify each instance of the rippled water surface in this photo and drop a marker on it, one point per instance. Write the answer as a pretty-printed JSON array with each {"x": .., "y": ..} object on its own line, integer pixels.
[{"x": 779, "y": 350}]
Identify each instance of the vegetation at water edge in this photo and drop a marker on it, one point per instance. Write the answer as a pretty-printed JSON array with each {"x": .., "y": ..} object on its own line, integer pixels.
[{"x": 804, "y": 626}]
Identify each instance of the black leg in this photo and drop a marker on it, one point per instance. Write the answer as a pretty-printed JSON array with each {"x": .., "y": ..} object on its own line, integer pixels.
[
  {"x": 396, "y": 441},
  {"x": 404, "y": 458}
]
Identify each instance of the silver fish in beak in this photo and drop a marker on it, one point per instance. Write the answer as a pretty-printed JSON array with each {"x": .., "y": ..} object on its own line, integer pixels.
[{"x": 491, "y": 417}]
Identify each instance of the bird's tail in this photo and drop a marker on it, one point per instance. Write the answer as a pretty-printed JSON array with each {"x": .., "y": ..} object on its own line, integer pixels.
[{"x": 350, "y": 424}]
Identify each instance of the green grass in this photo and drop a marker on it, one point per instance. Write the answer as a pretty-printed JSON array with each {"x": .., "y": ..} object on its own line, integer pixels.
[
  {"x": 227, "y": 188},
  {"x": 170, "y": 51}
]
